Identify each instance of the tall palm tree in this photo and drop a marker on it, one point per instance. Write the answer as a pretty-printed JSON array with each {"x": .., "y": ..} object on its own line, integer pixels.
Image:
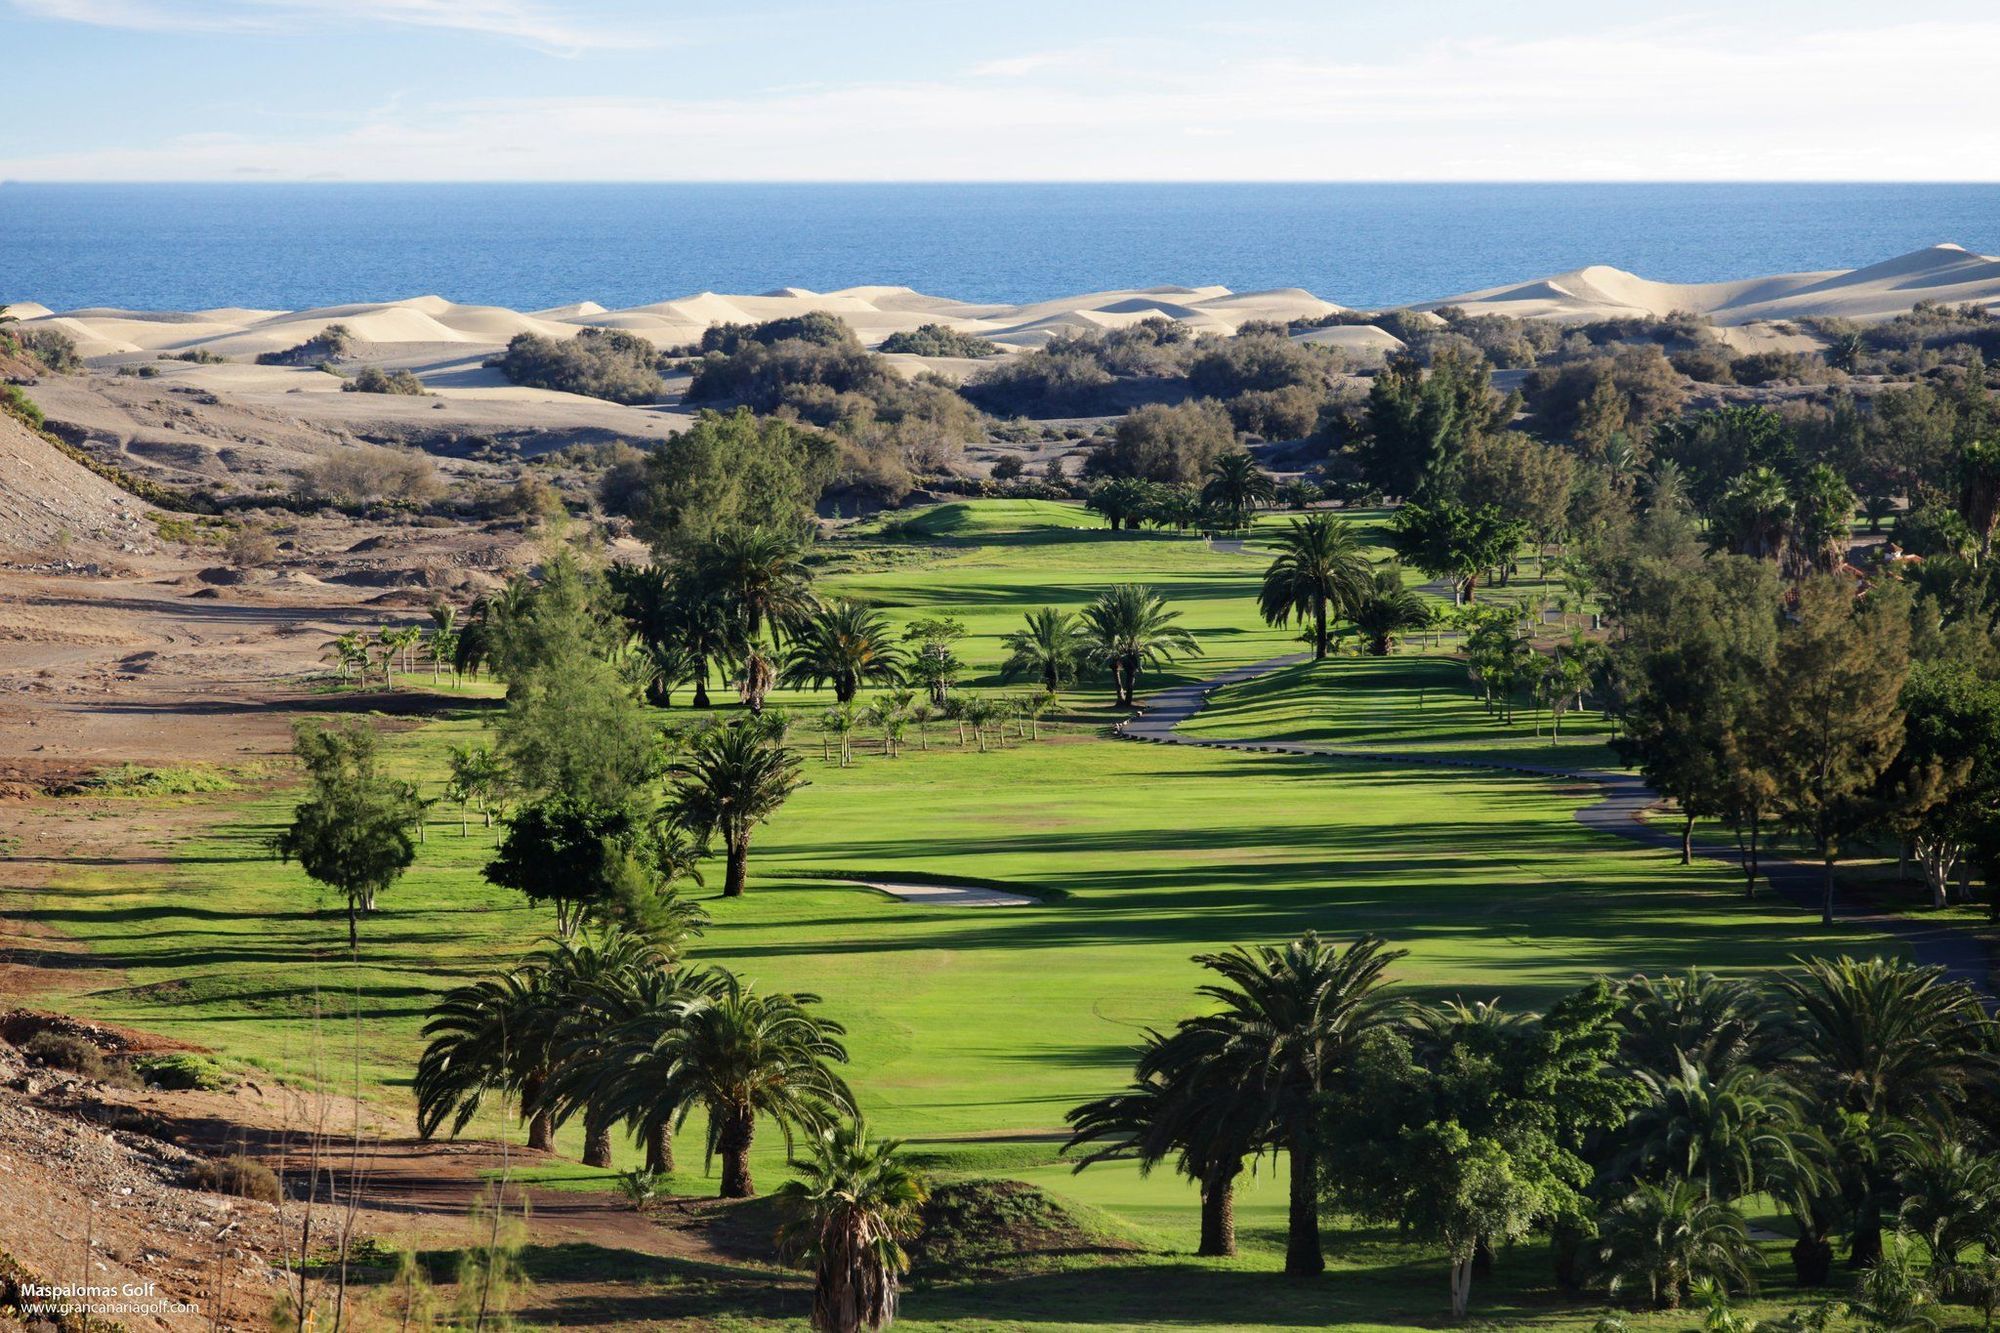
[
  {"x": 1129, "y": 627},
  {"x": 1236, "y": 486},
  {"x": 763, "y": 576},
  {"x": 730, "y": 779},
  {"x": 1049, "y": 647},
  {"x": 494, "y": 1035},
  {"x": 1887, "y": 1041},
  {"x": 1182, "y": 1107},
  {"x": 742, "y": 1055},
  {"x": 846, "y": 645},
  {"x": 702, "y": 625},
  {"x": 1292, "y": 1018},
  {"x": 1386, "y": 609},
  {"x": 1319, "y": 573},
  {"x": 1667, "y": 1237},
  {"x": 848, "y": 1210}
]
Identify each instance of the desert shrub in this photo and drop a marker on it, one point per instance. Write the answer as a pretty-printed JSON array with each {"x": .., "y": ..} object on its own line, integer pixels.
[
  {"x": 250, "y": 547},
  {"x": 374, "y": 379},
  {"x": 55, "y": 349},
  {"x": 764, "y": 376},
  {"x": 1594, "y": 397},
  {"x": 1170, "y": 444},
  {"x": 369, "y": 472},
  {"x": 815, "y": 327},
  {"x": 937, "y": 340},
  {"x": 1041, "y": 383},
  {"x": 66, "y": 1050},
  {"x": 329, "y": 344},
  {"x": 611, "y": 364},
  {"x": 179, "y": 1071},
  {"x": 1227, "y": 367},
  {"x": 1780, "y": 367},
  {"x": 1008, "y": 468},
  {"x": 531, "y": 497},
  {"x": 1290, "y": 413},
  {"x": 200, "y": 356},
  {"x": 1707, "y": 364},
  {"x": 239, "y": 1177},
  {"x": 21, "y": 407}
]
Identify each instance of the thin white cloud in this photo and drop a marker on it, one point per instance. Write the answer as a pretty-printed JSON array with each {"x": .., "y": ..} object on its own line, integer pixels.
[
  {"x": 531, "y": 24},
  {"x": 1665, "y": 101}
]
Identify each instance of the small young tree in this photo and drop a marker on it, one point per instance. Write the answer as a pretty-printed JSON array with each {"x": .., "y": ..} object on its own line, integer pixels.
[
  {"x": 731, "y": 779},
  {"x": 353, "y": 831}
]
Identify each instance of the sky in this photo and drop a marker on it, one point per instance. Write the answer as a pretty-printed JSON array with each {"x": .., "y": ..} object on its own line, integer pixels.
[{"x": 902, "y": 90}]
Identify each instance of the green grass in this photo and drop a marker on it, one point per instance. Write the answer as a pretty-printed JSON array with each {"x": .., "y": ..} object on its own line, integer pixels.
[
  {"x": 973, "y": 1030},
  {"x": 1410, "y": 703}
]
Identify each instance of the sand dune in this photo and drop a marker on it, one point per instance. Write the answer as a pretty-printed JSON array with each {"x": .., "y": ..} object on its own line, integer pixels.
[{"x": 1943, "y": 272}]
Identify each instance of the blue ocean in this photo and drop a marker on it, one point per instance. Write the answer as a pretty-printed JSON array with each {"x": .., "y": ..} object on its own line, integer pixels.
[{"x": 188, "y": 247}]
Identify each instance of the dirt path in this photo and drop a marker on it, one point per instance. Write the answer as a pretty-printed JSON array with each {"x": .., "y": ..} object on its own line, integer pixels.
[{"x": 1623, "y": 800}]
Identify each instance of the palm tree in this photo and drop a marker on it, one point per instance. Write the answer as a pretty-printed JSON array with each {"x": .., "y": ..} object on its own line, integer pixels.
[
  {"x": 845, "y": 645},
  {"x": 1718, "y": 1131},
  {"x": 1130, "y": 627},
  {"x": 731, "y": 779},
  {"x": 1236, "y": 486},
  {"x": 1183, "y": 1107},
  {"x": 741, "y": 1055},
  {"x": 762, "y": 575},
  {"x": 1665, "y": 1238},
  {"x": 488, "y": 1036},
  {"x": 1885, "y": 1041},
  {"x": 848, "y": 1210},
  {"x": 1951, "y": 1197},
  {"x": 1292, "y": 1018},
  {"x": 702, "y": 625},
  {"x": 1049, "y": 647},
  {"x": 591, "y": 982},
  {"x": 1319, "y": 572},
  {"x": 1697, "y": 1019},
  {"x": 1387, "y": 609},
  {"x": 620, "y": 1064}
]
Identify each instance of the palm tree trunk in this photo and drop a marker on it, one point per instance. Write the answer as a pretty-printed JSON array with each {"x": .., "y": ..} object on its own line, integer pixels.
[
  {"x": 1303, "y": 1257},
  {"x": 541, "y": 1129},
  {"x": 1319, "y": 629},
  {"x": 1218, "y": 1211},
  {"x": 738, "y": 1126},
  {"x": 596, "y": 1142},
  {"x": 736, "y": 875},
  {"x": 701, "y": 682},
  {"x": 1826, "y": 902},
  {"x": 660, "y": 1148}
]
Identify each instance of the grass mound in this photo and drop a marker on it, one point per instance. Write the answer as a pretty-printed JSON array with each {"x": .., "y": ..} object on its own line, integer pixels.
[
  {"x": 975, "y": 1228},
  {"x": 133, "y": 780},
  {"x": 178, "y": 1071},
  {"x": 986, "y": 518},
  {"x": 238, "y": 1177}
]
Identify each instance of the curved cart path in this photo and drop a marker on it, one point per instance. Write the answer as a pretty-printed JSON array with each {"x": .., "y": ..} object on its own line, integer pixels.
[{"x": 1616, "y": 811}]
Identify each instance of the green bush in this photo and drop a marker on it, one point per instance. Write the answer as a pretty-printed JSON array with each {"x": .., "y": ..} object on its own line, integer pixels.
[
  {"x": 239, "y": 1177},
  {"x": 611, "y": 364},
  {"x": 55, "y": 349},
  {"x": 937, "y": 340},
  {"x": 65, "y": 1050},
  {"x": 374, "y": 379},
  {"x": 21, "y": 407},
  {"x": 329, "y": 344},
  {"x": 178, "y": 1071}
]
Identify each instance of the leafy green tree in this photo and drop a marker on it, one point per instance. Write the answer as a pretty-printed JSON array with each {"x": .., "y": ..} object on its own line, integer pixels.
[
  {"x": 846, "y": 645},
  {"x": 933, "y": 664},
  {"x": 353, "y": 830},
  {"x": 1445, "y": 539},
  {"x": 1235, "y": 488},
  {"x": 1320, "y": 572},
  {"x": 735, "y": 471},
  {"x": 591, "y": 860},
  {"x": 1292, "y": 1020},
  {"x": 1420, "y": 420},
  {"x": 1049, "y": 647},
  {"x": 1129, "y": 627},
  {"x": 1944, "y": 786},
  {"x": 1469, "y": 1128},
  {"x": 1834, "y": 717},
  {"x": 731, "y": 779},
  {"x": 847, "y": 1211}
]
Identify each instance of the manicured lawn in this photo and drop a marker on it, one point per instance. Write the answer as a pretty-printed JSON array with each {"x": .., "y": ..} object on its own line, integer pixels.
[{"x": 1411, "y": 702}]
